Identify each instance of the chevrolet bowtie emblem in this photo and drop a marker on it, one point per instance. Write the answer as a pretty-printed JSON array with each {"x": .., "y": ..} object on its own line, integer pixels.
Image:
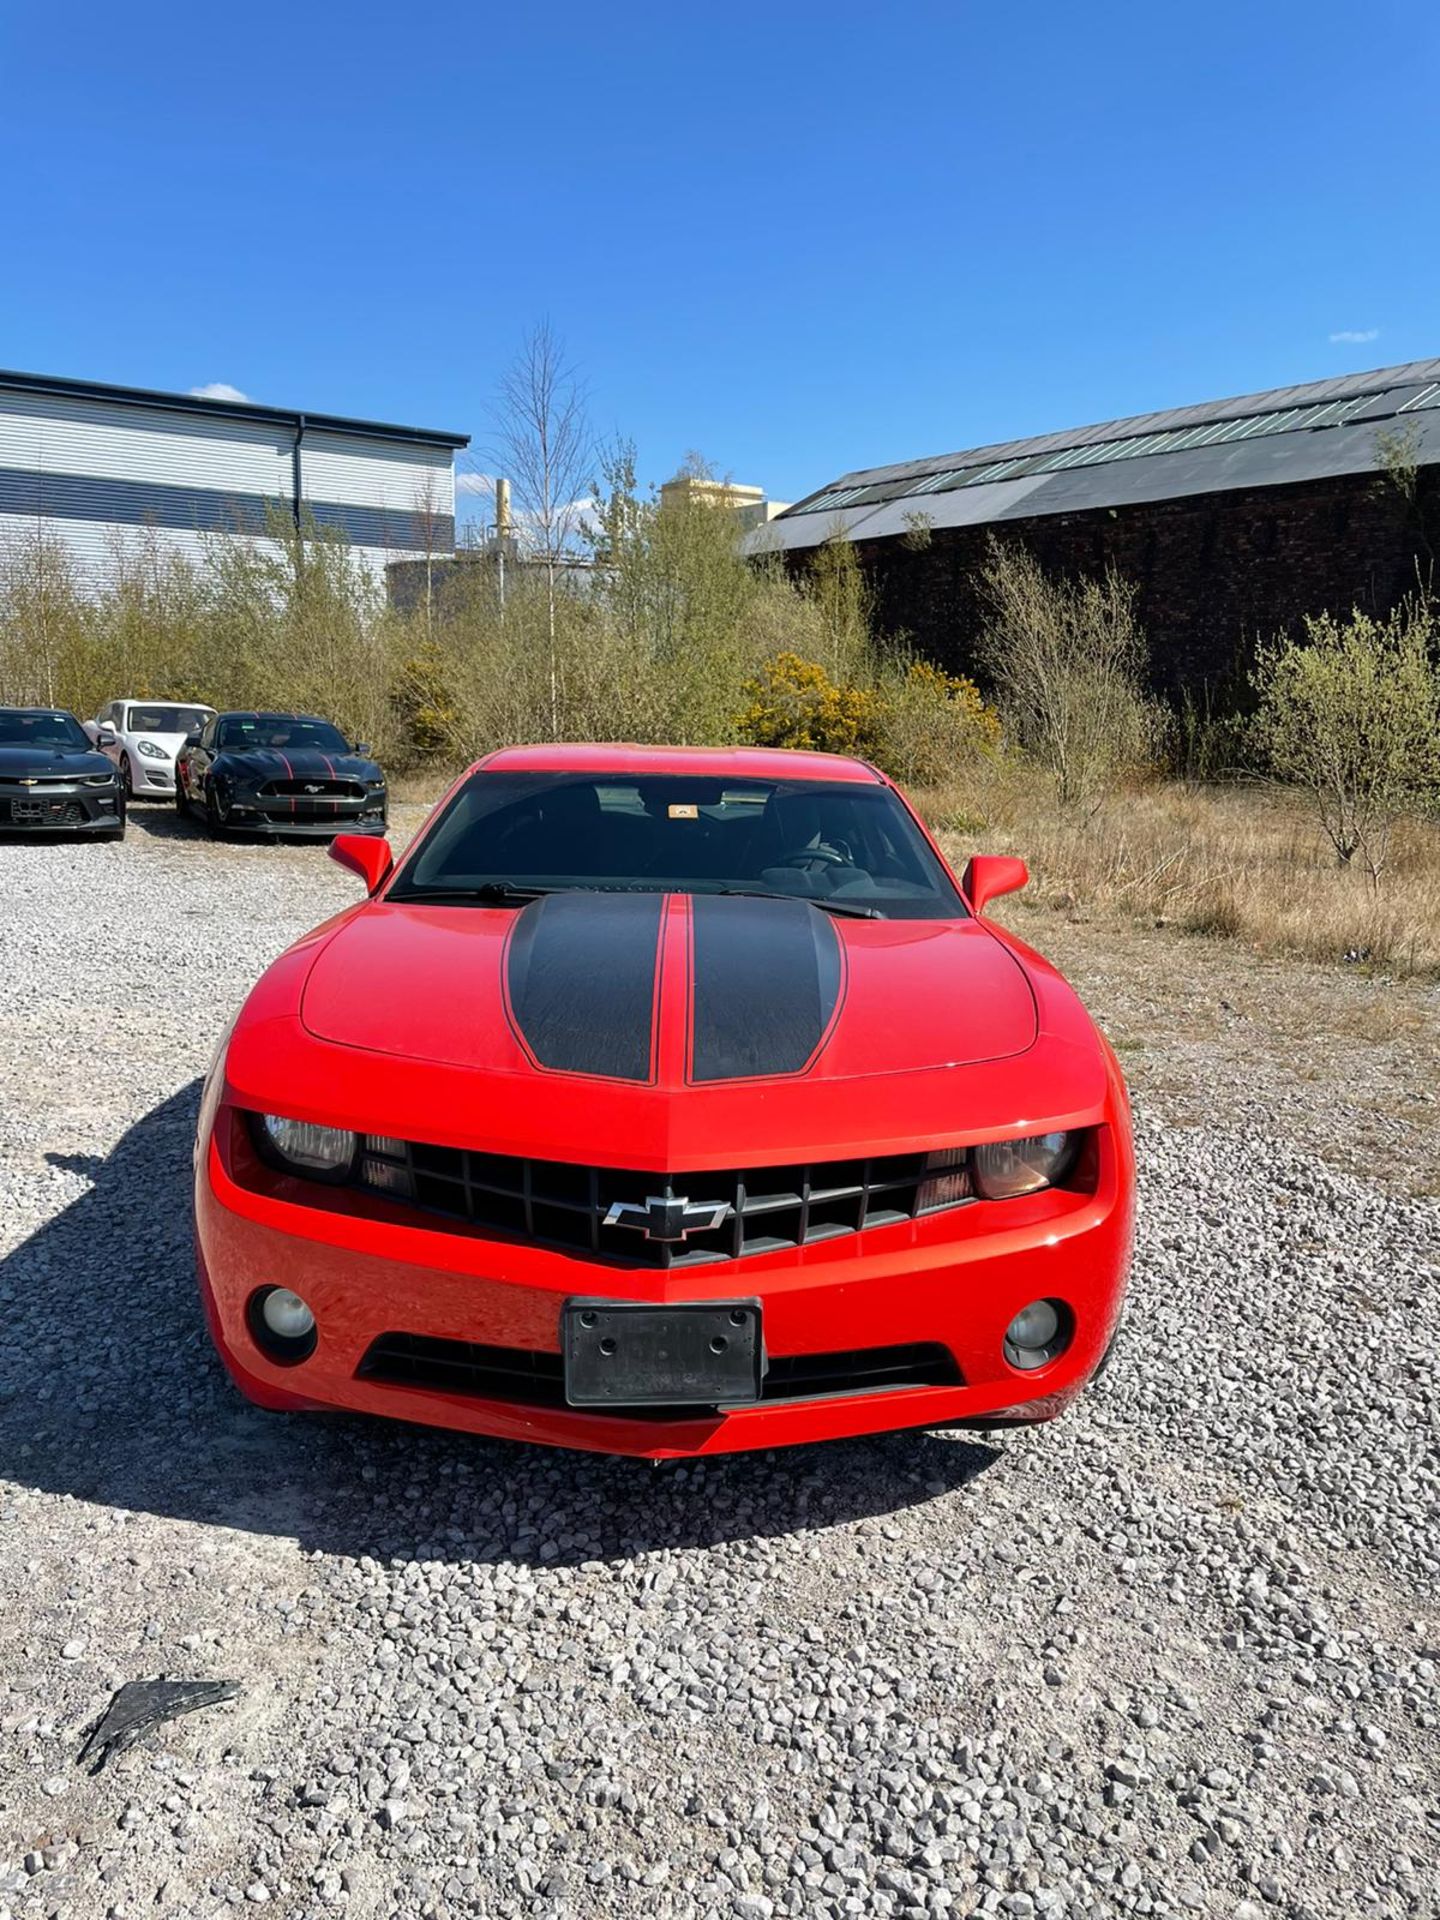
[
  {"x": 662, "y": 1216},
  {"x": 29, "y": 783}
]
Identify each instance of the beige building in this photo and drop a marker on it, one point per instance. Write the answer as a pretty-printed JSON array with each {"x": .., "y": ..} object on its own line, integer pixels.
[{"x": 748, "y": 504}]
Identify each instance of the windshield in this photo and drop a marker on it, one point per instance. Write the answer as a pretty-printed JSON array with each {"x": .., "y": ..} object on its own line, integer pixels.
[
  {"x": 851, "y": 845},
  {"x": 42, "y": 730},
  {"x": 281, "y": 731},
  {"x": 166, "y": 719}
]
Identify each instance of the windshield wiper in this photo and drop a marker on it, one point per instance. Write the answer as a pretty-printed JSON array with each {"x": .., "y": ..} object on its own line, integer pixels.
[
  {"x": 499, "y": 893},
  {"x": 846, "y": 907}
]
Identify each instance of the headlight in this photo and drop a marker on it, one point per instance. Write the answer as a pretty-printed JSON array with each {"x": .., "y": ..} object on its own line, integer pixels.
[
  {"x": 1005, "y": 1169},
  {"x": 152, "y": 752},
  {"x": 100, "y": 779},
  {"x": 376, "y": 786},
  {"x": 310, "y": 1148}
]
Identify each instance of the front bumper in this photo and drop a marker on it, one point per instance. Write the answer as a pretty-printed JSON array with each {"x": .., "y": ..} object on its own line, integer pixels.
[
  {"x": 60, "y": 807},
  {"x": 369, "y": 1269},
  {"x": 302, "y": 819},
  {"x": 151, "y": 776}
]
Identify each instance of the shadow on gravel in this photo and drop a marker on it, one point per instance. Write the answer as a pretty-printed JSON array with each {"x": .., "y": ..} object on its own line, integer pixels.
[
  {"x": 110, "y": 1392},
  {"x": 159, "y": 820}
]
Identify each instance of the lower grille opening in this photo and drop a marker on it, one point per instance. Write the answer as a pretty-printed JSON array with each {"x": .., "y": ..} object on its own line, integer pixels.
[
  {"x": 538, "y": 1380},
  {"x": 42, "y": 813}
]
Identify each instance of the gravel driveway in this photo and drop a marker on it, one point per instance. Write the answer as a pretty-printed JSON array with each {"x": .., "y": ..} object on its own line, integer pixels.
[{"x": 1176, "y": 1654}]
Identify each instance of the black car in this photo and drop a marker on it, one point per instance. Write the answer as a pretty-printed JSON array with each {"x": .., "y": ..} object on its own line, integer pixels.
[
  {"x": 52, "y": 779},
  {"x": 279, "y": 773}
]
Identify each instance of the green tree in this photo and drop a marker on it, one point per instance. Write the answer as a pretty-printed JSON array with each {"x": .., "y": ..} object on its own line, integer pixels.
[
  {"x": 46, "y": 624},
  {"x": 1351, "y": 713},
  {"x": 845, "y": 605}
]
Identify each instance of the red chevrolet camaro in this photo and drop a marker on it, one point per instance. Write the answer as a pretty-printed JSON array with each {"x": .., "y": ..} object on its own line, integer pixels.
[{"x": 666, "y": 1102}]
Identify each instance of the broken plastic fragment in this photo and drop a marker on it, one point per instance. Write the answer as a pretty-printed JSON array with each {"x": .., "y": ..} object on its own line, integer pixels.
[{"x": 142, "y": 1704}]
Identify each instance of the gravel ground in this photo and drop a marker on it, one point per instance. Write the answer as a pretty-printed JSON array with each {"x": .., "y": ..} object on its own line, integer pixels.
[{"x": 1176, "y": 1654}]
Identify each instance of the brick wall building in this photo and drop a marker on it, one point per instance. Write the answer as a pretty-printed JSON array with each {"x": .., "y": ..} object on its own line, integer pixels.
[{"x": 1234, "y": 518}]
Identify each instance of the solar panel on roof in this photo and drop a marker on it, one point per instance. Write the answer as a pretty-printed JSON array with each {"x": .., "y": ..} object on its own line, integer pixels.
[
  {"x": 932, "y": 481},
  {"x": 1334, "y": 403}
]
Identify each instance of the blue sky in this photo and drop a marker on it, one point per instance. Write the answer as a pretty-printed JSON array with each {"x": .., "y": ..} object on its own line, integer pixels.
[{"x": 796, "y": 238}]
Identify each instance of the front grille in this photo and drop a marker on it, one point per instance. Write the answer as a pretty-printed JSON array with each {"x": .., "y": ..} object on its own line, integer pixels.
[
  {"x": 754, "y": 1209},
  {"x": 39, "y": 780},
  {"x": 41, "y": 813},
  {"x": 538, "y": 1379},
  {"x": 313, "y": 789},
  {"x": 307, "y": 810}
]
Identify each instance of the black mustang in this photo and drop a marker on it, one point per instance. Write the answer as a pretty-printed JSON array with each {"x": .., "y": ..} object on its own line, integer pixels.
[
  {"x": 279, "y": 773},
  {"x": 52, "y": 779}
]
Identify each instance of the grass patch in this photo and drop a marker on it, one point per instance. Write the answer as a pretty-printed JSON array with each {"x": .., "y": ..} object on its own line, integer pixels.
[{"x": 1240, "y": 862}]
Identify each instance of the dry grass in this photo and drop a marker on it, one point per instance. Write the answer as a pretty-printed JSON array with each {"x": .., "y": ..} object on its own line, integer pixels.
[{"x": 1239, "y": 862}]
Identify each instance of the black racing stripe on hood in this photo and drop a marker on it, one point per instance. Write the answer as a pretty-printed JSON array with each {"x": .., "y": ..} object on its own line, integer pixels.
[
  {"x": 766, "y": 981},
  {"x": 305, "y": 763},
  {"x": 580, "y": 972}
]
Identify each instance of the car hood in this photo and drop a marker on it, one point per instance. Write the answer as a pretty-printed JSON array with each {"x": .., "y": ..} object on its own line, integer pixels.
[
  {"x": 668, "y": 990},
  {"x": 51, "y": 762},
  {"x": 299, "y": 763}
]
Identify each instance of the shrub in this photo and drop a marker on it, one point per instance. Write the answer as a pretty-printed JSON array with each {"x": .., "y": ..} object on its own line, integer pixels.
[
  {"x": 932, "y": 724},
  {"x": 1067, "y": 660},
  {"x": 428, "y": 719},
  {"x": 1352, "y": 714},
  {"x": 794, "y": 703}
]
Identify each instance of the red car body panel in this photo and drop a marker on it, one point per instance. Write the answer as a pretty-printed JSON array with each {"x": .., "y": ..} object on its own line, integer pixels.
[{"x": 395, "y": 1019}]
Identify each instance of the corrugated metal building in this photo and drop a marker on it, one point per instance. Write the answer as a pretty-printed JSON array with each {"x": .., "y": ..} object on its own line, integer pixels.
[
  {"x": 1234, "y": 517},
  {"x": 90, "y": 461}
]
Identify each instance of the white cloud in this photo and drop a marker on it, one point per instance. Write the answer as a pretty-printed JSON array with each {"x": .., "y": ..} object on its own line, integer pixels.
[
  {"x": 1354, "y": 336},
  {"x": 474, "y": 483},
  {"x": 220, "y": 390}
]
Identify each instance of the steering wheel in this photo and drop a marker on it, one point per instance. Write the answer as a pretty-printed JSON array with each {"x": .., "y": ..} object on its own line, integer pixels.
[{"x": 816, "y": 856}]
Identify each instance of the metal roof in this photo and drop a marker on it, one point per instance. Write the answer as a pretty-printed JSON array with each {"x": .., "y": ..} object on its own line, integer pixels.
[
  {"x": 1289, "y": 434},
  {"x": 55, "y": 385}
]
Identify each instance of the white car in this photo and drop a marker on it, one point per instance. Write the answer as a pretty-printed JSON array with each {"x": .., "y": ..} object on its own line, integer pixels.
[{"x": 143, "y": 737}]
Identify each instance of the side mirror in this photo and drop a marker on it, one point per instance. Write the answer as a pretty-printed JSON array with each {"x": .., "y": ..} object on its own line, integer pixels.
[
  {"x": 362, "y": 749},
  {"x": 991, "y": 874},
  {"x": 104, "y": 737},
  {"x": 364, "y": 854},
  {"x": 190, "y": 740}
]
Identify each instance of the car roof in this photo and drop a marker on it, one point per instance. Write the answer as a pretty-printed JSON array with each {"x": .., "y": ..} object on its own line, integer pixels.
[
  {"x": 64, "y": 712},
  {"x": 269, "y": 713},
  {"x": 157, "y": 700},
  {"x": 738, "y": 763}
]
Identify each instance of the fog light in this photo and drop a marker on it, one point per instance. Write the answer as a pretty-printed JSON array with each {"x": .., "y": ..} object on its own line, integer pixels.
[
  {"x": 282, "y": 1325},
  {"x": 1038, "y": 1334},
  {"x": 287, "y": 1316}
]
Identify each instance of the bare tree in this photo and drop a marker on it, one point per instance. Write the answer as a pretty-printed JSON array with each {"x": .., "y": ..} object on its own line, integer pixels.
[
  {"x": 1066, "y": 658},
  {"x": 434, "y": 527},
  {"x": 543, "y": 445}
]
